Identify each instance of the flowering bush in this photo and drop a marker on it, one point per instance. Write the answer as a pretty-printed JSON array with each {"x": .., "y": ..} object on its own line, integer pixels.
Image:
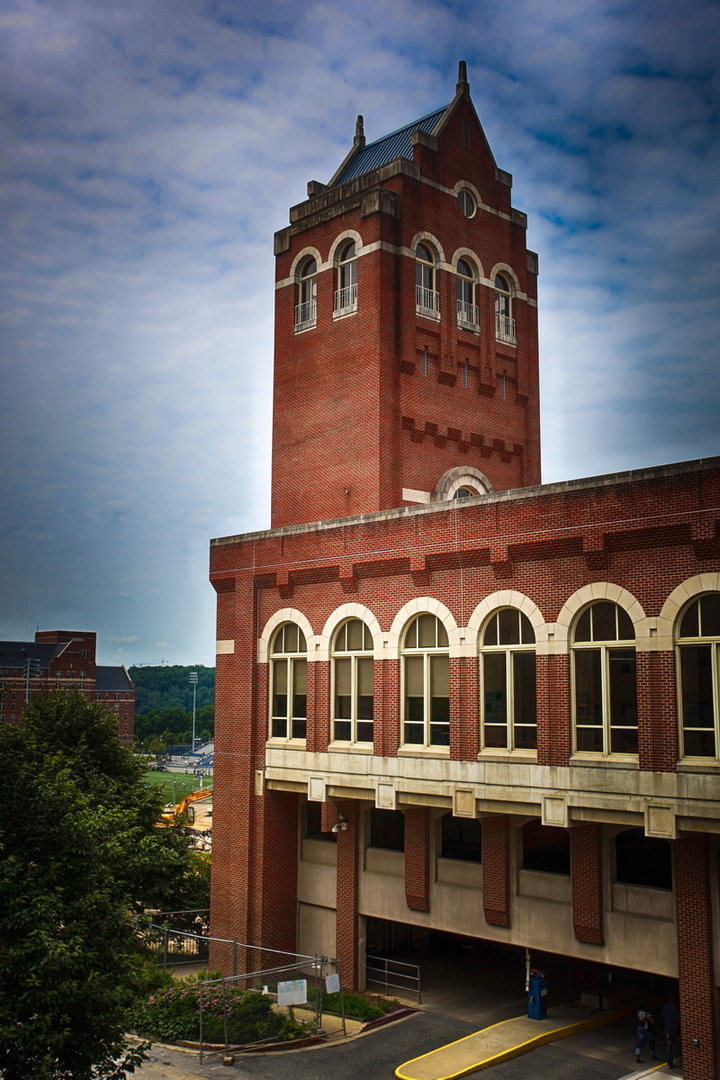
[{"x": 174, "y": 1014}]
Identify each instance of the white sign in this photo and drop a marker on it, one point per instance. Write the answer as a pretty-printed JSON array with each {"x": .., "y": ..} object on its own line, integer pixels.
[
  {"x": 293, "y": 992},
  {"x": 332, "y": 984}
]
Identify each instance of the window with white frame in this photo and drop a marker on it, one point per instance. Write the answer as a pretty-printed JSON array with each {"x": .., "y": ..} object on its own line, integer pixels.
[
  {"x": 504, "y": 321},
  {"x": 353, "y": 683},
  {"x": 466, "y": 202},
  {"x": 604, "y": 675},
  {"x": 288, "y": 683},
  {"x": 427, "y": 301},
  {"x": 346, "y": 277},
  {"x": 468, "y": 315},
  {"x": 306, "y": 307},
  {"x": 698, "y": 646},
  {"x": 508, "y": 673},
  {"x": 426, "y": 673}
]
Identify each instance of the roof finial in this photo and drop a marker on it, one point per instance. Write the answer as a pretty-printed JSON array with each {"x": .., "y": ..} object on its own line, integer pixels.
[
  {"x": 463, "y": 85},
  {"x": 359, "y": 139}
]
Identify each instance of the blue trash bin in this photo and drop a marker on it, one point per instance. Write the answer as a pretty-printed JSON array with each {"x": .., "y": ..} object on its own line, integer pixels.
[{"x": 537, "y": 996}]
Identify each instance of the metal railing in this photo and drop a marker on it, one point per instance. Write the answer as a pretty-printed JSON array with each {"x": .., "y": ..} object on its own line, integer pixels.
[
  {"x": 505, "y": 329},
  {"x": 305, "y": 315},
  {"x": 345, "y": 300},
  {"x": 394, "y": 976},
  {"x": 427, "y": 301},
  {"x": 468, "y": 315}
]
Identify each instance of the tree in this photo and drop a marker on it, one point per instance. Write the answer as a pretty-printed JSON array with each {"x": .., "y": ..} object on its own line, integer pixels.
[{"x": 80, "y": 857}]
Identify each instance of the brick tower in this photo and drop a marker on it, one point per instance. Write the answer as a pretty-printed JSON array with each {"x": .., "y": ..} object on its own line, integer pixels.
[{"x": 406, "y": 357}]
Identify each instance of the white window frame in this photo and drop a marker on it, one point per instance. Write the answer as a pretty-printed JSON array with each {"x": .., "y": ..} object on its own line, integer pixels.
[
  {"x": 509, "y": 651},
  {"x": 605, "y": 648},
  {"x": 294, "y": 728},
  {"x": 504, "y": 322},
  {"x": 352, "y": 657},
  {"x": 710, "y": 643},
  {"x": 306, "y": 307},
  {"x": 345, "y": 299},
  {"x": 468, "y": 313},
  {"x": 427, "y": 299},
  {"x": 426, "y": 653}
]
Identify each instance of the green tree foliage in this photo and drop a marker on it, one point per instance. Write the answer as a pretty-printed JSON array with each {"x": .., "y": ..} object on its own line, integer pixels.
[
  {"x": 163, "y": 702},
  {"x": 80, "y": 856}
]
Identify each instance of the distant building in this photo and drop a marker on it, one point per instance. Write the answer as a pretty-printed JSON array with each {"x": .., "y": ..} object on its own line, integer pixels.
[
  {"x": 63, "y": 660},
  {"x": 452, "y": 701}
]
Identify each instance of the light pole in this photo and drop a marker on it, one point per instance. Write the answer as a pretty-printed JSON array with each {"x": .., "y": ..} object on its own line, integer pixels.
[{"x": 193, "y": 683}]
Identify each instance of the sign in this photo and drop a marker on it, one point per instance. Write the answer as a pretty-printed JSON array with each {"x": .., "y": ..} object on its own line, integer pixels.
[
  {"x": 293, "y": 992},
  {"x": 332, "y": 984}
]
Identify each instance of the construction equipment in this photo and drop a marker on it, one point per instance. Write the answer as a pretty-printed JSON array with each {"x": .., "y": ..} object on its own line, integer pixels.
[{"x": 184, "y": 809}]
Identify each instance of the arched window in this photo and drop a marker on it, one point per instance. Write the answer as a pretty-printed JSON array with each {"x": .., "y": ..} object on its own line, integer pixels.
[
  {"x": 508, "y": 670},
  {"x": 698, "y": 643},
  {"x": 426, "y": 671},
  {"x": 605, "y": 681},
  {"x": 353, "y": 683},
  {"x": 426, "y": 298},
  {"x": 288, "y": 683},
  {"x": 306, "y": 307},
  {"x": 504, "y": 321},
  {"x": 467, "y": 312},
  {"x": 346, "y": 277}
]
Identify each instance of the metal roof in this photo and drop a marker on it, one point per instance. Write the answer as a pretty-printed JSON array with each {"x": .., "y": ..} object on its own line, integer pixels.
[{"x": 395, "y": 145}]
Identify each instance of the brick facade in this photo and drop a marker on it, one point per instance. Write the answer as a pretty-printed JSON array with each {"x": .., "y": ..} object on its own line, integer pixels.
[{"x": 377, "y": 414}]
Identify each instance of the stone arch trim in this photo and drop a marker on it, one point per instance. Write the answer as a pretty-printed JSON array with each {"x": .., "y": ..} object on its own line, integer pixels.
[
  {"x": 453, "y": 479},
  {"x": 426, "y": 237},
  {"x": 282, "y": 616},
  {"x": 467, "y": 185},
  {"x": 504, "y": 268},
  {"x": 340, "y": 239},
  {"x": 340, "y": 615},
  {"x": 687, "y": 590},
  {"x": 469, "y": 254},
  {"x": 421, "y": 604},
  {"x": 601, "y": 590},
  {"x": 506, "y": 598},
  {"x": 301, "y": 256}
]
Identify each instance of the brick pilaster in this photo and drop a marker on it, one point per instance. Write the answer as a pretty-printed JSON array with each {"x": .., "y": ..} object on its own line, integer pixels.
[
  {"x": 559, "y": 712},
  {"x": 657, "y": 713},
  {"x": 496, "y": 869},
  {"x": 693, "y": 910},
  {"x": 348, "y": 876},
  {"x": 417, "y": 858},
  {"x": 586, "y": 870}
]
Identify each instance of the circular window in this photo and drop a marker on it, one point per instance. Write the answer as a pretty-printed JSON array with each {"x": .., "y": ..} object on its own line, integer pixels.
[{"x": 466, "y": 202}]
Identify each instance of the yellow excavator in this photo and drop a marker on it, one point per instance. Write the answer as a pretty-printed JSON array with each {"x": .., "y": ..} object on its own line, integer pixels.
[{"x": 184, "y": 807}]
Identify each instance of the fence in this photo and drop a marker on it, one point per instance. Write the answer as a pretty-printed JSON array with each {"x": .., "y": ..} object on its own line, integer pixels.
[{"x": 393, "y": 976}]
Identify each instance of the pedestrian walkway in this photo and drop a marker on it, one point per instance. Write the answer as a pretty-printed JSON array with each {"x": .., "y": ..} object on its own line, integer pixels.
[{"x": 509, "y": 1039}]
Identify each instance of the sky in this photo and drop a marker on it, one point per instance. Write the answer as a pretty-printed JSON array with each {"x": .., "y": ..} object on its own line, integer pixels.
[{"x": 151, "y": 148}]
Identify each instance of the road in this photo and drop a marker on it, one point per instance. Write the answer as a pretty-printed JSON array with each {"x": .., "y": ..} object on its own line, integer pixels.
[{"x": 376, "y": 1055}]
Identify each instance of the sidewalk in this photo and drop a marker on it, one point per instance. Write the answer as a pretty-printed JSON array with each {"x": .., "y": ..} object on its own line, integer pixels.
[{"x": 511, "y": 1038}]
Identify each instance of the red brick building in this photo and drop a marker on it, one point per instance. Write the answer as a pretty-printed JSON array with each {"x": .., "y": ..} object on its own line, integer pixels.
[
  {"x": 63, "y": 660},
  {"x": 504, "y": 696}
]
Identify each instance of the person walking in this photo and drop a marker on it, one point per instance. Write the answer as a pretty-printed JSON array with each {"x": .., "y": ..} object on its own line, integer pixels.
[
  {"x": 670, "y": 1016},
  {"x": 645, "y": 1033}
]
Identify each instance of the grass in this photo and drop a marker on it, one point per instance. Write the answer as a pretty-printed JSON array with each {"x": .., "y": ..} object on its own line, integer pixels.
[{"x": 183, "y": 784}]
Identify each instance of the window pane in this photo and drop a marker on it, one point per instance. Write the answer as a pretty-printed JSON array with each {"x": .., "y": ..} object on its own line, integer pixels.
[
  {"x": 426, "y": 631},
  {"x": 494, "y": 685},
  {"x": 710, "y": 615},
  {"x": 603, "y": 621},
  {"x": 439, "y": 735},
  {"x": 626, "y": 630},
  {"x": 588, "y": 691},
  {"x": 491, "y": 632},
  {"x": 699, "y": 743},
  {"x": 354, "y": 634},
  {"x": 365, "y": 682},
  {"x": 509, "y": 626},
  {"x": 414, "y": 734},
  {"x": 342, "y": 731},
  {"x": 524, "y": 689},
  {"x": 364, "y": 731},
  {"x": 582, "y": 630},
  {"x": 689, "y": 627},
  {"x": 527, "y": 634},
  {"x": 414, "y": 676},
  {"x": 589, "y": 740},
  {"x": 440, "y": 676},
  {"x": 696, "y": 678},
  {"x": 342, "y": 677},
  {"x": 623, "y": 707}
]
